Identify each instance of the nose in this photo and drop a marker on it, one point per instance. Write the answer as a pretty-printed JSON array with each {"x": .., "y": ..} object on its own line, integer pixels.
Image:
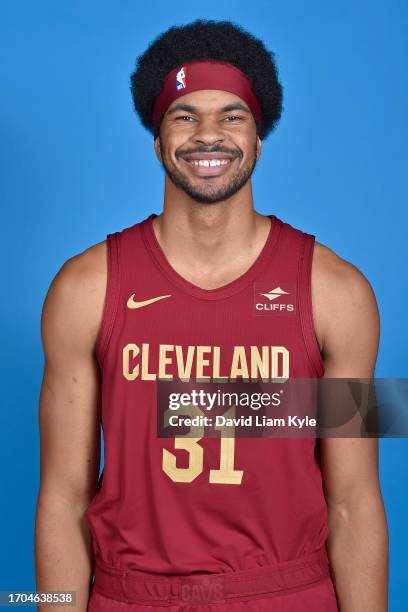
[{"x": 208, "y": 132}]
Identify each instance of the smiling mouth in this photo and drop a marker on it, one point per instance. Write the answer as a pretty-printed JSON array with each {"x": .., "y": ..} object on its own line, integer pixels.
[{"x": 209, "y": 165}]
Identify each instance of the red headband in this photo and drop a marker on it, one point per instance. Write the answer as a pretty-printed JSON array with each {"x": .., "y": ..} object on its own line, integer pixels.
[{"x": 209, "y": 74}]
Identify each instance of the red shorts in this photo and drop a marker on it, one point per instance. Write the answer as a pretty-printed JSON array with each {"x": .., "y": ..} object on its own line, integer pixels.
[{"x": 297, "y": 586}]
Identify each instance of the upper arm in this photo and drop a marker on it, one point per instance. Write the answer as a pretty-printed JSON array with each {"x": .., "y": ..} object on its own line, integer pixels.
[
  {"x": 347, "y": 324},
  {"x": 69, "y": 401},
  {"x": 346, "y": 316}
]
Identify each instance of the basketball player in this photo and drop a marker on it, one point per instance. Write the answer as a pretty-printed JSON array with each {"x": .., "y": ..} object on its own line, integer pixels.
[{"x": 258, "y": 524}]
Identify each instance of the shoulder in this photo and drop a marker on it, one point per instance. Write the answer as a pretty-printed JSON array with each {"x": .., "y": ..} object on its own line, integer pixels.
[
  {"x": 337, "y": 274},
  {"x": 74, "y": 302},
  {"x": 88, "y": 266},
  {"x": 344, "y": 302},
  {"x": 81, "y": 275}
]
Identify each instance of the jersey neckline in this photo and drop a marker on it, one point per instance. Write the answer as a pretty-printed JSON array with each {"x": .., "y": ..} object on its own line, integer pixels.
[{"x": 237, "y": 284}]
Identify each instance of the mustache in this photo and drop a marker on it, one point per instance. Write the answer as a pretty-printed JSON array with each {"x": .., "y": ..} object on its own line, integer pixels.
[{"x": 203, "y": 149}]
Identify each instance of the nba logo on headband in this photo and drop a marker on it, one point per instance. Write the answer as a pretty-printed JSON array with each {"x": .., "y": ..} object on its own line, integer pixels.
[{"x": 181, "y": 79}]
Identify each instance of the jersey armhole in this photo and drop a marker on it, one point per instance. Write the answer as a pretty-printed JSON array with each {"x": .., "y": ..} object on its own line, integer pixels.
[
  {"x": 305, "y": 305},
  {"x": 111, "y": 297}
]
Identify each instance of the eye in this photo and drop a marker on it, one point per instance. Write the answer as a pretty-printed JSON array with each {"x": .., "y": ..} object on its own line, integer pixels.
[
  {"x": 232, "y": 118},
  {"x": 184, "y": 118}
]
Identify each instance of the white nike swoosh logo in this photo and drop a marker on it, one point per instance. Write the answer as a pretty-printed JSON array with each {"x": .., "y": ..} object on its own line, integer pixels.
[{"x": 131, "y": 303}]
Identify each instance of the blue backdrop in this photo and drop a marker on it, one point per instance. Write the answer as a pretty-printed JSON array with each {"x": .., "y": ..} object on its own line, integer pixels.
[{"x": 76, "y": 164}]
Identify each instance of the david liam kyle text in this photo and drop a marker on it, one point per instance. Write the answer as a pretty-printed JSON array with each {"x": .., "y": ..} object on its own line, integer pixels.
[{"x": 252, "y": 420}]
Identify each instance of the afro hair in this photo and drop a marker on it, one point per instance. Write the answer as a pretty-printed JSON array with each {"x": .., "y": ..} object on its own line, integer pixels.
[{"x": 217, "y": 40}]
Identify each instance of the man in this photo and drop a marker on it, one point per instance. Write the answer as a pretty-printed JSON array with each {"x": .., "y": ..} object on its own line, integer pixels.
[{"x": 205, "y": 523}]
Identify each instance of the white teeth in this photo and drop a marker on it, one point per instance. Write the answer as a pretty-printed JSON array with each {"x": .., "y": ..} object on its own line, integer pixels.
[{"x": 210, "y": 162}]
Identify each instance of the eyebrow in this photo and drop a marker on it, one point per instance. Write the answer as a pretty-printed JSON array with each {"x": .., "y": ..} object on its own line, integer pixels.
[{"x": 188, "y": 108}]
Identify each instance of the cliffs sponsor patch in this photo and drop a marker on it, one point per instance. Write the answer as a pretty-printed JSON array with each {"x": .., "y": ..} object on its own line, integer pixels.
[{"x": 275, "y": 299}]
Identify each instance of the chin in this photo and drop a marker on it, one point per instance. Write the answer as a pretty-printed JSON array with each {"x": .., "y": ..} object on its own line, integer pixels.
[{"x": 210, "y": 198}]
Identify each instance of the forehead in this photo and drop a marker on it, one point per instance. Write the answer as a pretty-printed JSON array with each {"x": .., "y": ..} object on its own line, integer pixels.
[{"x": 209, "y": 100}]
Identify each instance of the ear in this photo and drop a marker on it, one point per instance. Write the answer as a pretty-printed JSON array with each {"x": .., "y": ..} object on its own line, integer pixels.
[
  {"x": 258, "y": 147},
  {"x": 157, "y": 148}
]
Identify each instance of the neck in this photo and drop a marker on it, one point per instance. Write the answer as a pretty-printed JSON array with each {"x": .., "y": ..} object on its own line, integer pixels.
[{"x": 210, "y": 238}]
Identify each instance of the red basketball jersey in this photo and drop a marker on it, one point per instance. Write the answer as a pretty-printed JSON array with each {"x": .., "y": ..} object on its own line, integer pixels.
[{"x": 169, "y": 510}]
